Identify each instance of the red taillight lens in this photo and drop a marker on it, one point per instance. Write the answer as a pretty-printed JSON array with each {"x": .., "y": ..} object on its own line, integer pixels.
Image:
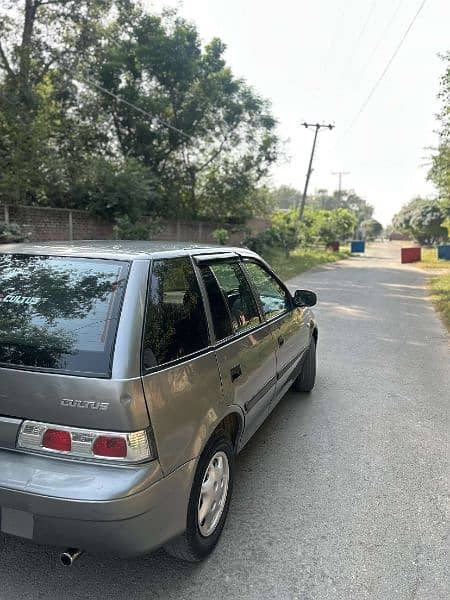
[
  {"x": 54, "y": 439},
  {"x": 114, "y": 447}
]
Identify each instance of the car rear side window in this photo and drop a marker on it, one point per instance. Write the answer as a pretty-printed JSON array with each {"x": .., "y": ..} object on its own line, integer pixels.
[
  {"x": 60, "y": 314},
  {"x": 238, "y": 295},
  {"x": 175, "y": 323}
]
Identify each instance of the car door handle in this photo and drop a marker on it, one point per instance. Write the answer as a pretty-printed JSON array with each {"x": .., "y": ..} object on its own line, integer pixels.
[
  {"x": 280, "y": 341},
  {"x": 235, "y": 372}
]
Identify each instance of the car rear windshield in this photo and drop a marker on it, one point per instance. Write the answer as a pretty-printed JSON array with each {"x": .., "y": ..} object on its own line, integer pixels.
[{"x": 60, "y": 314}]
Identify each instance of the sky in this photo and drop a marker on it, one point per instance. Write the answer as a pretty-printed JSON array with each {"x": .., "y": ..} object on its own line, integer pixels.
[{"x": 317, "y": 61}]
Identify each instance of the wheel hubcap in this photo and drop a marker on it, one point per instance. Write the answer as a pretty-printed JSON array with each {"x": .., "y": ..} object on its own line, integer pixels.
[{"x": 213, "y": 493}]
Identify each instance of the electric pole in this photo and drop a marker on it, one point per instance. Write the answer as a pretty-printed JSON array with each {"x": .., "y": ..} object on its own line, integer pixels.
[
  {"x": 339, "y": 174},
  {"x": 317, "y": 127}
]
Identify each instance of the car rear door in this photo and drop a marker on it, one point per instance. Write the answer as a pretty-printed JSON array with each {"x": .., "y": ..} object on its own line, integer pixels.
[
  {"x": 288, "y": 323},
  {"x": 245, "y": 345}
]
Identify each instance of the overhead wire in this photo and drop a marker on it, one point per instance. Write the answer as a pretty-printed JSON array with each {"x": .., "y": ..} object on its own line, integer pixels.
[
  {"x": 366, "y": 23},
  {"x": 349, "y": 59},
  {"x": 384, "y": 72},
  {"x": 330, "y": 50},
  {"x": 90, "y": 82},
  {"x": 381, "y": 38}
]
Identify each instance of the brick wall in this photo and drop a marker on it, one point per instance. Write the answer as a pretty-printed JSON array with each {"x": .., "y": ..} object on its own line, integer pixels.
[
  {"x": 43, "y": 224},
  {"x": 59, "y": 224}
]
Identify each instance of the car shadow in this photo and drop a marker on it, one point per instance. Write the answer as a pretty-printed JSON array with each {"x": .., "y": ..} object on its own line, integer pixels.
[{"x": 156, "y": 575}]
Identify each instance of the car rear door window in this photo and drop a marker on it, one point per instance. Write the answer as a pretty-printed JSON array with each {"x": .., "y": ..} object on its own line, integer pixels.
[
  {"x": 175, "y": 322},
  {"x": 273, "y": 297},
  {"x": 239, "y": 298},
  {"x": 60, "y": 313}
]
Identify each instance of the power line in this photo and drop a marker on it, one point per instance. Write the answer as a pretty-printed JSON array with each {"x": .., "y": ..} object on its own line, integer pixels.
[
  {"x": 385, "y": 70},
  {"x": 366, "y": 22},
  {"x": 381, "y": 38},
  {"x": 349, "y": 58},
  {"x": 332, "y": 44},
  {"x": 90, "y": 82}
]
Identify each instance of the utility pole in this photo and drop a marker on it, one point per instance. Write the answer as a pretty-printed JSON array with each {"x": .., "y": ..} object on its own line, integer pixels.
[
  {"x": 339, "y": 174},
  {"x": 317, "y": 127}
]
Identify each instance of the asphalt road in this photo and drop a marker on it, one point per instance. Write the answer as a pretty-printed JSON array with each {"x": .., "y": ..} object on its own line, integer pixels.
[{"x": 341, "y": 494}]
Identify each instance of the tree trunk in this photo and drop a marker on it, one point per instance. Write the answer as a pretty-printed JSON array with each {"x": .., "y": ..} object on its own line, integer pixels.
[{"x": 25, "y": 49}]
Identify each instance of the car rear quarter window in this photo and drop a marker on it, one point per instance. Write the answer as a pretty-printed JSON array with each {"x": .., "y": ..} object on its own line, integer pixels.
[
  {"x": 175, "y": 324},
  {"x": 60, "y": 314}
]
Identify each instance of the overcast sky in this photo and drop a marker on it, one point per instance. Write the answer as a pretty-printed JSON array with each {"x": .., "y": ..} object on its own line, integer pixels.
[{"x": 317, "y": 60}]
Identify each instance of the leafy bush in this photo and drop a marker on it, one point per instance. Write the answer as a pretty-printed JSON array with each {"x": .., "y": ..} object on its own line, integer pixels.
[
  {"x": 285, "y": 233},
  {"x": 261, "y": 242},
  {"x": 117, "y": 190},
  {"x": 125, "y": 229},
  {"x": 11, "y": 232},
  {"x": 221, "y": 236}
]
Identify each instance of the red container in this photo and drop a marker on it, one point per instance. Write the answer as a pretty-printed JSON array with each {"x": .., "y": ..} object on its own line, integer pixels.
[
  {"x": 410, "y": 255},
  {"x": 334, "y": 246}
]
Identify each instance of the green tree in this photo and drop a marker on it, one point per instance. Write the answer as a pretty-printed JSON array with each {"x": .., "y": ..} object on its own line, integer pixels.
[
  {"x": 371, "y": 229},
  {"x": 40, "y": 128},
  {"x": 423, "y": 219},
  {"x": 333, "y": 225},
  {"x": 439, "y": 173},
  {"x": 348, "y": 199},
  {"x": 201, "y": 146},
  {"x": 228, "y": 139},
  {"x": 286, "y": 197},
  {"x": 285, "y": 230}
]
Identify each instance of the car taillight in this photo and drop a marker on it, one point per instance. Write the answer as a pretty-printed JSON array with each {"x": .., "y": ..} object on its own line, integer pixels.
[
  {"x": 73, "y": 442},
  {"x": 53, "y": 439},
  {"x": 108, "y": 445}
]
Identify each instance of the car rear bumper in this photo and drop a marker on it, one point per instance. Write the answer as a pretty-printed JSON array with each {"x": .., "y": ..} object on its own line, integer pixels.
[{"x": 98, "y": 508}]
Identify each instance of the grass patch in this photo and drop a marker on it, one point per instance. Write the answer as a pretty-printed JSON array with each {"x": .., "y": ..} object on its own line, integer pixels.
[
  {"x": 301, "y": 259},
  {"x": 431, "y": 261},
  {"x": 440, "y": 289}
]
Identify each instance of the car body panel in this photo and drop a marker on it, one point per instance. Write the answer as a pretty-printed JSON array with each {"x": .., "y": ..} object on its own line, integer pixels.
[
  {"x": 254, "y": 389},
  {"x": 293, "y": 339},
  {"x": 185, "y": 402},
  {"x": 141, "y": 521},
  {"x": 74, "y": 480},
  {"x": 73, "y": 400}
]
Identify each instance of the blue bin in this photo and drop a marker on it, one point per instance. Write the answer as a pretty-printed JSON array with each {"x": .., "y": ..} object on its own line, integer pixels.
[
  {"x": 358, "y": 246},
  {"x": 444, "y": 252}
]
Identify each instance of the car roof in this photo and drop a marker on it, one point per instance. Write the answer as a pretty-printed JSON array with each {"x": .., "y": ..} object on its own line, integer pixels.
[{"x": 118, "y": 249}]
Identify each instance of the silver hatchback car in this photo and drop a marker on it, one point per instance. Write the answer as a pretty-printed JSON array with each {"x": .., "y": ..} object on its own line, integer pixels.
[{"x": 130, "y": 376}]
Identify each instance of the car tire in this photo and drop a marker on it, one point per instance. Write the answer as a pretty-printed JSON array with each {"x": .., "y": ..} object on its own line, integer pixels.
[
  {"x": 202, "y": 535},
  {"x": 307, "y": 377}
]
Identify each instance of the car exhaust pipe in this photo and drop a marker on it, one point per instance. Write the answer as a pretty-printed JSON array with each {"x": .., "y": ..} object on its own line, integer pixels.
[{"x": 69, "y": 556}]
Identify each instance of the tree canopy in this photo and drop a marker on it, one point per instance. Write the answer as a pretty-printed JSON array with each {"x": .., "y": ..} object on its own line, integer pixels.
[
  {"x": 423, "y": 219},
  {"x": 108, "y": 107},
  {"x": 287, "y": 197},
  {"x": 371, "y": 228}
]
